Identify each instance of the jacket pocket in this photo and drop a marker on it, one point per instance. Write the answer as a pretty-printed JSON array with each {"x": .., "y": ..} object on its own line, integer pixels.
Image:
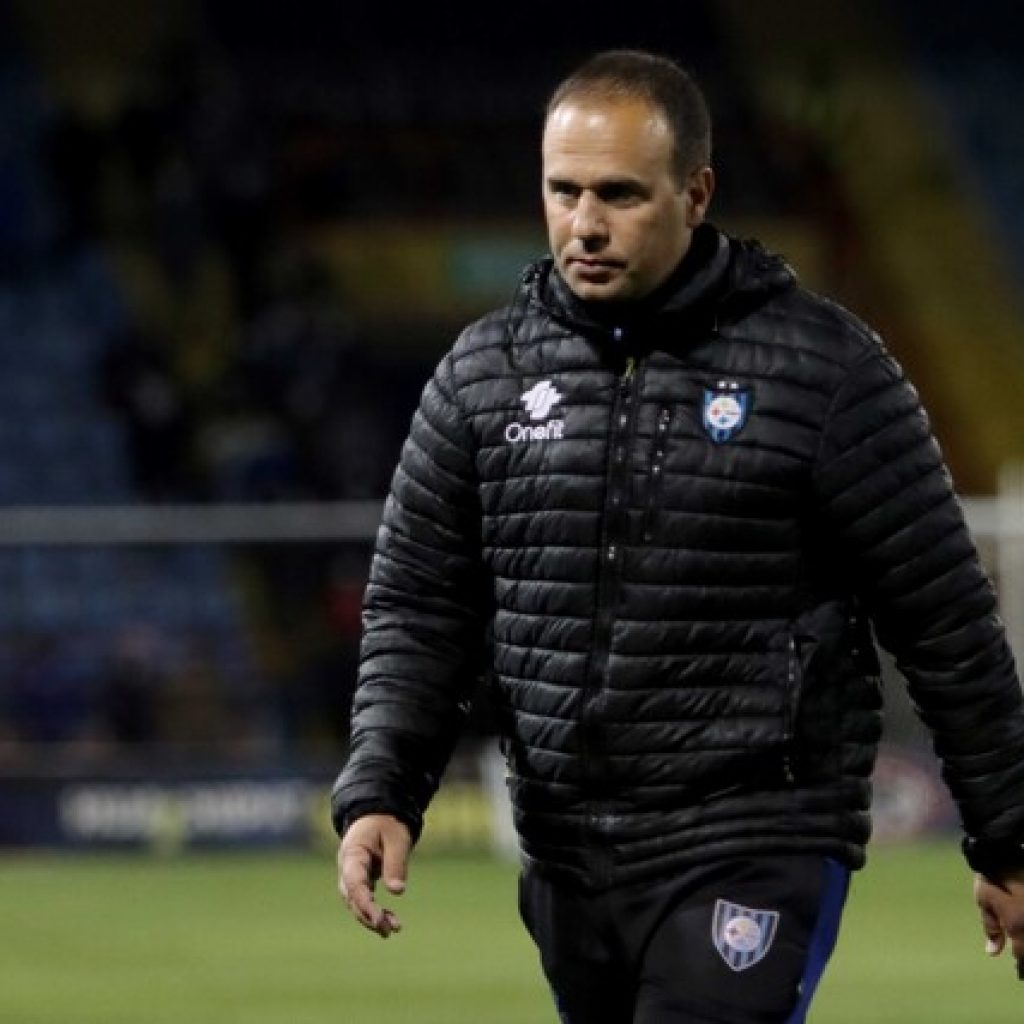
[
  {"x": 830, "y": 680},
  {"x": 656, "y": 472}
]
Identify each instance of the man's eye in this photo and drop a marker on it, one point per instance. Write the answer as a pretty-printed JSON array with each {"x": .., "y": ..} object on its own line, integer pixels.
[{"x": 619, "y": 195}]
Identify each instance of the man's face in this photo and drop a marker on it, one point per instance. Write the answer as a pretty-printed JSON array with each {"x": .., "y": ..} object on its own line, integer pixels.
[{"x": 618, "y": 219}]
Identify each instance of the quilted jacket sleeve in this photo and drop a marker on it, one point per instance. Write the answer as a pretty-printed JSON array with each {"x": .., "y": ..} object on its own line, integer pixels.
[
  {"x": 425, "y": 615},
  {"x": 890, "y": 505}
]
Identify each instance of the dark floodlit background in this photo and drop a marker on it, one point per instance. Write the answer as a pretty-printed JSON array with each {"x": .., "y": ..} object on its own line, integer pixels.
[{"x": 236, "y": 237}]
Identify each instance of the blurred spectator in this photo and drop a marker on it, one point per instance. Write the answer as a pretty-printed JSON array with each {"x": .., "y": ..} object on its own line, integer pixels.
[
  {"x": 193, "y": 712},
  {"x": 135, "y": 681},
  {"x": 249, "y": 456},
  {"x": 138, "y": 383}
]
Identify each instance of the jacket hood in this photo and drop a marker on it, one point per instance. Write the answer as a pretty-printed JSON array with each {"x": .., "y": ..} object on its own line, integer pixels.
[{"x": 719, "y": 278}]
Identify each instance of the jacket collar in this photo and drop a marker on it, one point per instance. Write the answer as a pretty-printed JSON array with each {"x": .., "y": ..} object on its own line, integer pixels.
[
  {"x": 697, "y": 278},
  {"x": 717, "y": 275}
]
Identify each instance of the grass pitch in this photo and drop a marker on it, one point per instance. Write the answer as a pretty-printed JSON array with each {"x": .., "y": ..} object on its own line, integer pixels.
[{"x": 260, "y": 939}]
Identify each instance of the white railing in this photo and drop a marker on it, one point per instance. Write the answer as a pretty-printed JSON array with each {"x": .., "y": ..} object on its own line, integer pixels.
[{"x": 190, "y": 524}]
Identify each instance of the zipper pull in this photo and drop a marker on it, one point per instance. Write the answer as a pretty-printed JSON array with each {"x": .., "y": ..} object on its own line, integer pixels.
[{"x": 630, "y": 367}]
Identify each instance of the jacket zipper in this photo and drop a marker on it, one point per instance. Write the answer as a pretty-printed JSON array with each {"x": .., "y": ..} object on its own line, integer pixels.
[
  {"x": 613, "y": 533},
  {"x": 612, "y": 529},
  {"x": 615, "y": 521}
]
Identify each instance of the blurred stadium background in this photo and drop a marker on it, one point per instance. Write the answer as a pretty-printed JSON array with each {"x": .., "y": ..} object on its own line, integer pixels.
[{"x": 234, "y": 240}]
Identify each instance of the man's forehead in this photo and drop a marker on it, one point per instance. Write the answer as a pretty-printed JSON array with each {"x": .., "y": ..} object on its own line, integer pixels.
[
  {"x": 623, "y": 139},
  {"x": 606, "y": 152},
  {"x": 583, "y": 116}
]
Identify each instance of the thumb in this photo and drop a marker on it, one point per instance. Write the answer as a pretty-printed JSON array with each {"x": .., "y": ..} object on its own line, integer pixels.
[
  {"x": 395, "y": 859},
  {"x": 995, "y": 936}
]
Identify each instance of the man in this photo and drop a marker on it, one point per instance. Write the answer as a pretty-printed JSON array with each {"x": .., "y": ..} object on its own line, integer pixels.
[{"x": 658, "y": 500}]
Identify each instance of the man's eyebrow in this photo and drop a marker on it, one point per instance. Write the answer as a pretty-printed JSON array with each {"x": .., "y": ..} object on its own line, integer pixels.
[
  {"x": 624, "y": 183},
  {"x": 621, "y": 184}
]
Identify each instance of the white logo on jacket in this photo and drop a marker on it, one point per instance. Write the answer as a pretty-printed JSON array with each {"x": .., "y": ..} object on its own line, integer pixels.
[{"x": 539, "y": 401}]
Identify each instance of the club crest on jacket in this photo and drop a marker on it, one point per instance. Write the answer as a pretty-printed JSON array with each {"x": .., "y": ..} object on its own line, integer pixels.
[{"x": 726, "y": 409}]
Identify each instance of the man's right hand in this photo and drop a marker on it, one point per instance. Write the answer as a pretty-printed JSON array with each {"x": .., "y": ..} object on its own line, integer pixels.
[{"x": 374, "y": 847}]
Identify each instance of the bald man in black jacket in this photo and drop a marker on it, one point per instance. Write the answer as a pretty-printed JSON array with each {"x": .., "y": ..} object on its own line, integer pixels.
[{"x": 659, "y": 502}]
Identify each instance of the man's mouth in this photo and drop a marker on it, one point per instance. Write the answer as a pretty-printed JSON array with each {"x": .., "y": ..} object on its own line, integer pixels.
[{"x": 586, "y": 265}]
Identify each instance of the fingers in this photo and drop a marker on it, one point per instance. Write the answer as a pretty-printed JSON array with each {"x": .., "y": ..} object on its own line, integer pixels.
[
  {"x": 373, "y": 845},
  {"x": 1011, "y": 916},
  {"x": 356, "y": 878},
  {"x": 1002, "y": 917},
  {"x": 985, "y": 895},
  {"x": 395, "y": 866}
]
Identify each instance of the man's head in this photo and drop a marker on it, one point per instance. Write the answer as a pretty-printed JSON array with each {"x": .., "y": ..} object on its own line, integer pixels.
[{"x": 626, "y": 175}]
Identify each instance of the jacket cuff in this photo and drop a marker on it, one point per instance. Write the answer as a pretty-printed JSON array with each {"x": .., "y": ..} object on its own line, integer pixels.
[
  {"x": 342, "y": 817},
  {"x": 994, "y": 858}
]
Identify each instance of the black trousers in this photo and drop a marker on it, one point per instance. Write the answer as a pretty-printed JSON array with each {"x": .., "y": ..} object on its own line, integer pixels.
[{"x": 733, "y": 942}]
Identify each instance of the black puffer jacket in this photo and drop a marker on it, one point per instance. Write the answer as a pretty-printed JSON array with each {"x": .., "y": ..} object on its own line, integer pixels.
[{"x": 662, "y": 534}]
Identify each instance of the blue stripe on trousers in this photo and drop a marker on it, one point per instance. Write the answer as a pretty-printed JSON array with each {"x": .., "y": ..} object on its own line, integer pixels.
[{"x": 823, "y": 939}]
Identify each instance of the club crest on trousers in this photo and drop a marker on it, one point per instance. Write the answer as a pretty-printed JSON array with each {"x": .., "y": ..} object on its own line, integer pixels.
[{"x": 741, "y": 934}]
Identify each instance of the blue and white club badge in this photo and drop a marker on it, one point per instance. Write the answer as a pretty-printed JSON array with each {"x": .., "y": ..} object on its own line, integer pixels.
[
  {"x": 741, "y": 935},
  {"x": 726, "y": 408}
]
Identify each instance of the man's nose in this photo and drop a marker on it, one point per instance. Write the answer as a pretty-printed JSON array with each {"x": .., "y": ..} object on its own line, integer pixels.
[{"x": 589, "y": 224}]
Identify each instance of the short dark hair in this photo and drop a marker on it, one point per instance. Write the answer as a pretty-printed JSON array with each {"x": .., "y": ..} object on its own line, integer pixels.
[{"x": 661, "y": 82}]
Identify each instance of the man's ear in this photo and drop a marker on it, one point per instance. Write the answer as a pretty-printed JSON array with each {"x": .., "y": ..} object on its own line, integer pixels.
[{"x": 700, "y": 187}]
